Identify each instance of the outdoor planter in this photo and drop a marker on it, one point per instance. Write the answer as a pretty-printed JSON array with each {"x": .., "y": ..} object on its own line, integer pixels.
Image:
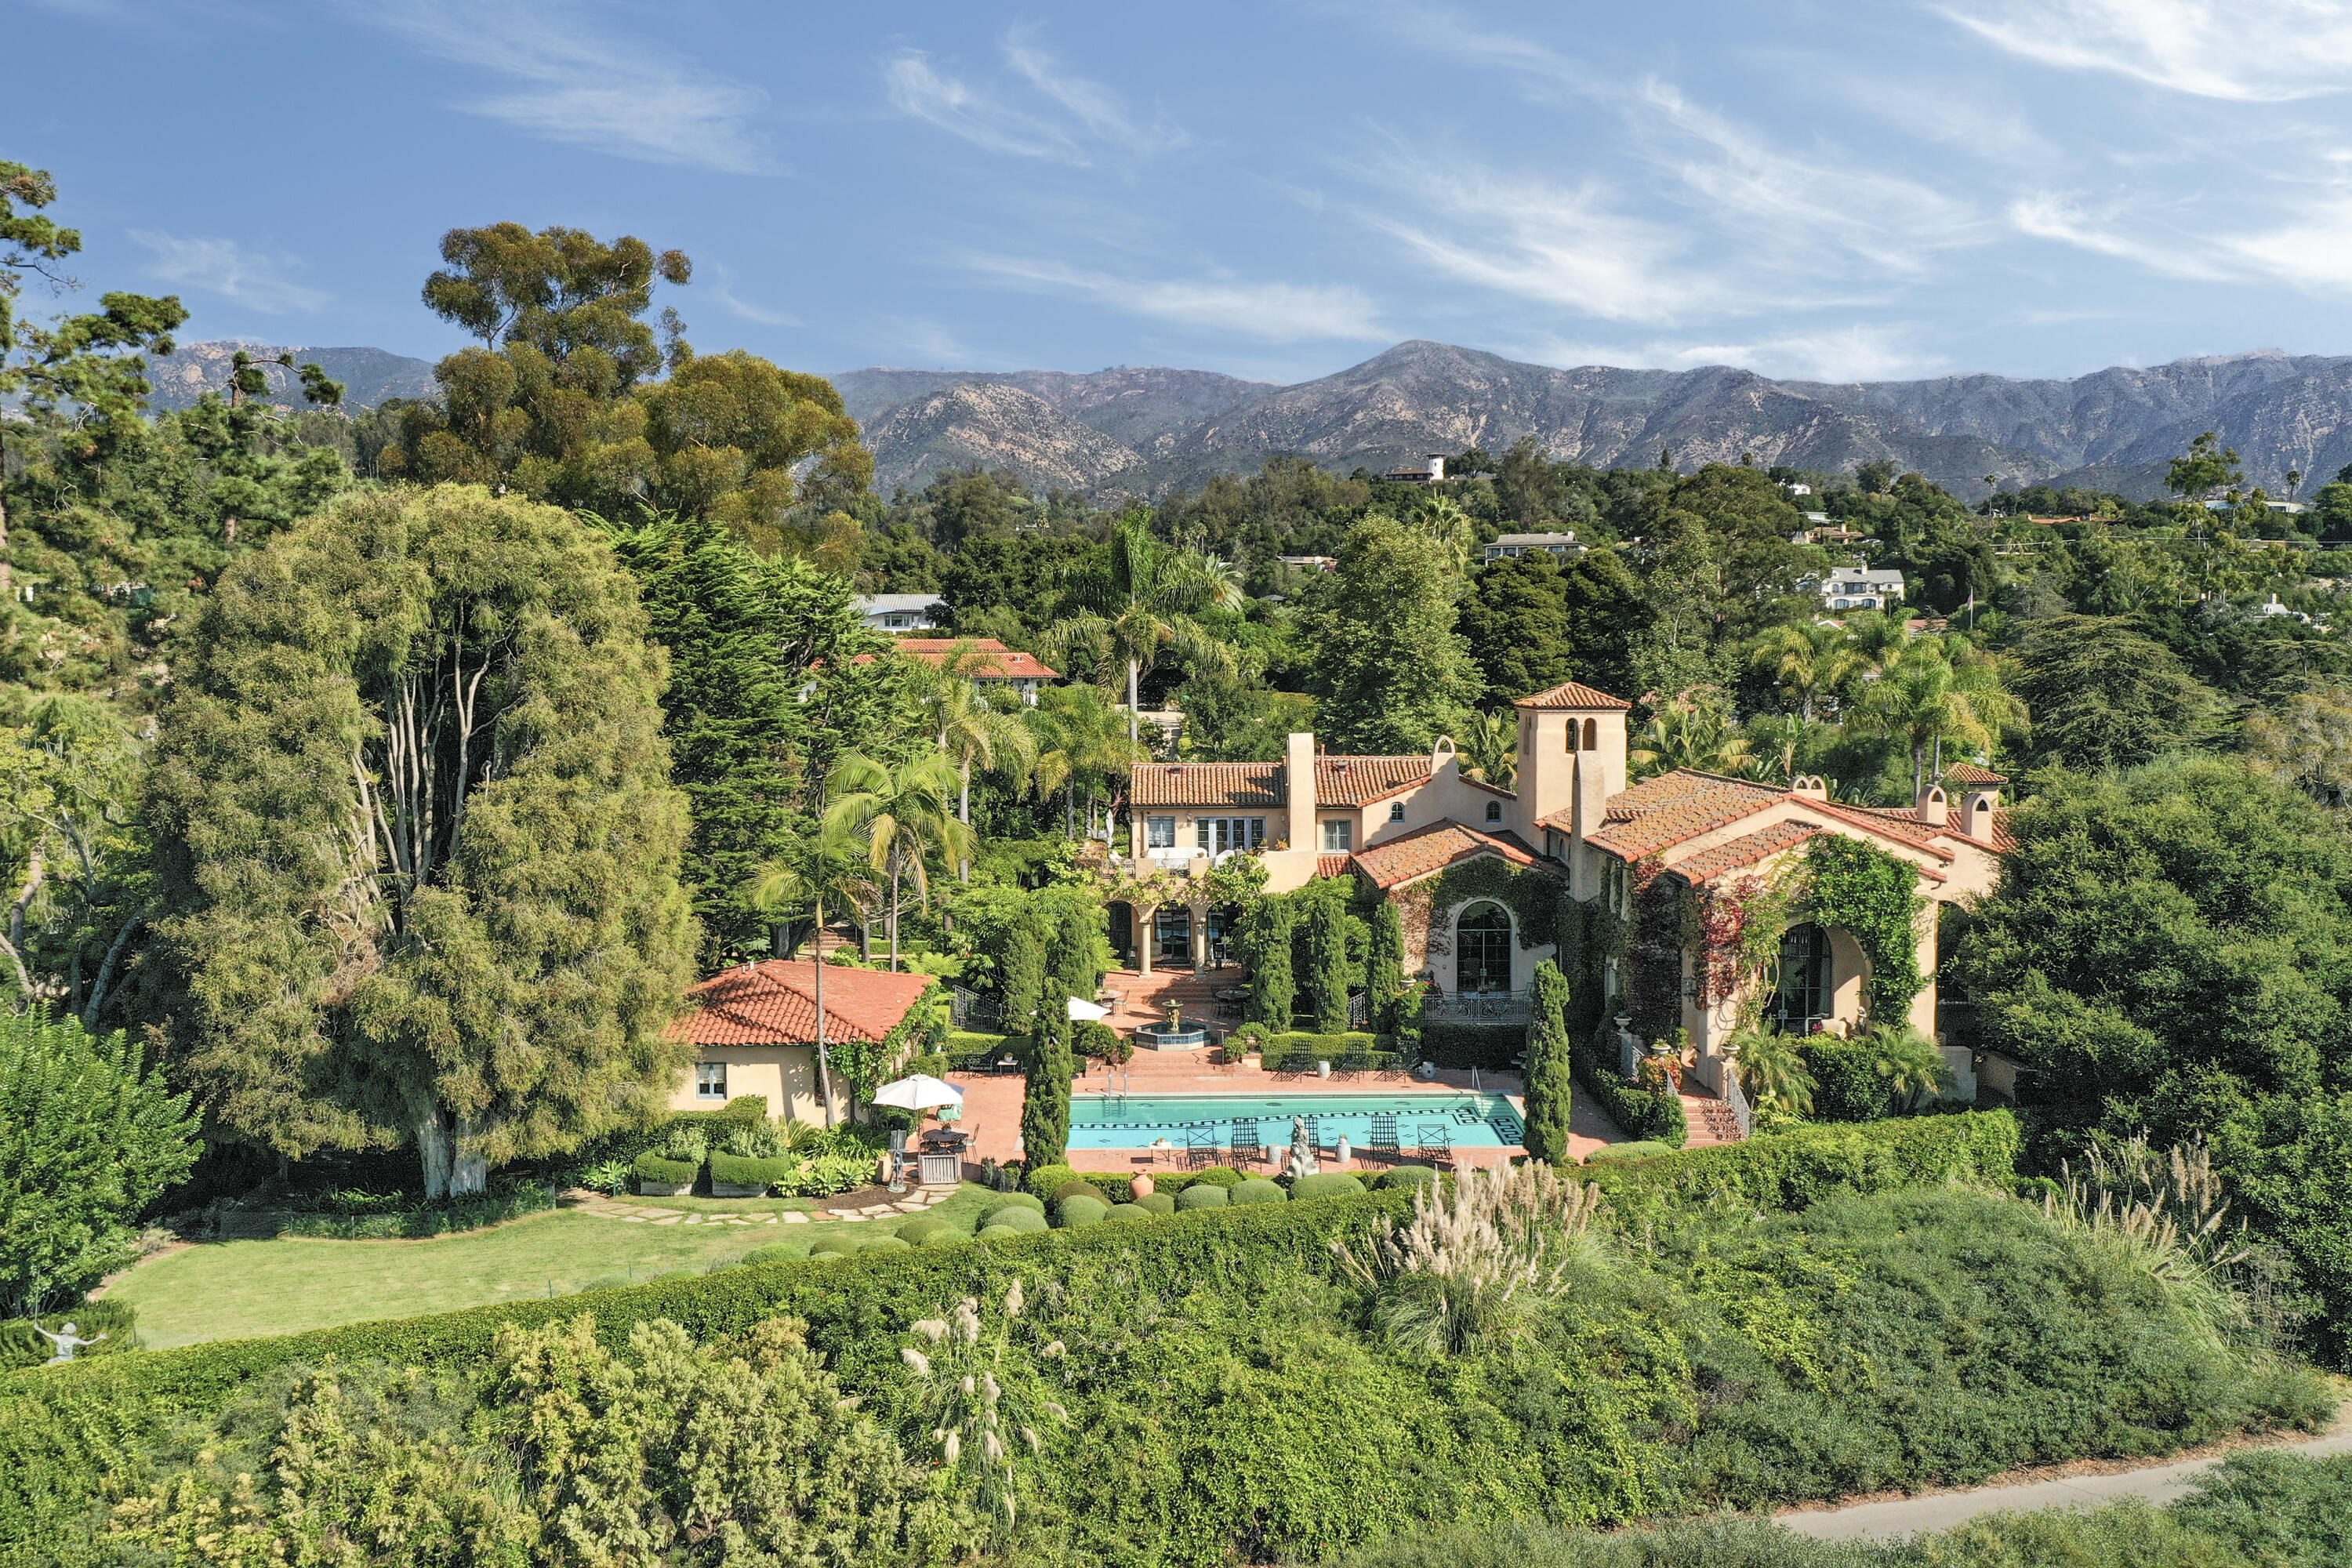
[
  {"x": 719, "y": 1189},
  {"x": 651, "y": 1189}
]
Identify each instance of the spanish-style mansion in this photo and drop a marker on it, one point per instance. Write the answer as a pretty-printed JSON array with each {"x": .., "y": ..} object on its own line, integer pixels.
[{"x": 1399, "y": 824}]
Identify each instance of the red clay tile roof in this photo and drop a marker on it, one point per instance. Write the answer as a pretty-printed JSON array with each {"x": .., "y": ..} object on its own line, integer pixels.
[
  {"x": 774, "y": 1002},
  {"x": 1970, "y": 773},
  {"x": 1208, "y": 783},
  {"x": 1436, "y": 847},
  {"x": 1740, "y": 853},
  {"x": 1572, "y": 694},
  {"x": 997, "y": 662},
  {"x": 1360, "y": 780},
  {"x": 1332, "y": 865},
  {"x": 1662, "y": 812}
]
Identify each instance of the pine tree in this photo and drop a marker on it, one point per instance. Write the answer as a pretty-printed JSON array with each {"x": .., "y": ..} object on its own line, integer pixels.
[
  {"x": 1547, "y": 1085},
  {"x": 1327, "y": 965},
  {"x": 1045, "y": 1100},
  {"x": 1384, "y": 968}
]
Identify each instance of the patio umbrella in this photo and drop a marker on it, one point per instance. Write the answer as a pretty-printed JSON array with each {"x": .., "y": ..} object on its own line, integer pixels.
[
  {"x": 920, "y": 1092},
  {"x": 1082, "y": 1009}
]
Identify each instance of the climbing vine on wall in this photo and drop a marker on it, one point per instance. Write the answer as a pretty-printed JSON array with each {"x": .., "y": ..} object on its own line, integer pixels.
[
  {"x": 1654, "y": 951},
  {"x": 1875, "y": 897},
  {"x": 1532, "y": 896},
  {"x": 1737, "y": 931}
]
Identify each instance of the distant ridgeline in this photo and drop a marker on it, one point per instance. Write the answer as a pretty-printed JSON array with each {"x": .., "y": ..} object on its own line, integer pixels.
[{"x": 369, "y": 376}]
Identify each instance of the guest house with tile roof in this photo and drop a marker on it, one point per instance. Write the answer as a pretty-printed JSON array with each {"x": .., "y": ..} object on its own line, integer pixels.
[
  {"x": 1412, "y": 829},
  {"x": 753, "y": 1029}
]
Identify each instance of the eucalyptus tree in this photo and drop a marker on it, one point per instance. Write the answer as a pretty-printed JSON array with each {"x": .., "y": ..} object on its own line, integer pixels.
[
  {"x": 828, "y": 867},
  {"x": 417, "y": 848},
  {"x": 902, "y": 812}
]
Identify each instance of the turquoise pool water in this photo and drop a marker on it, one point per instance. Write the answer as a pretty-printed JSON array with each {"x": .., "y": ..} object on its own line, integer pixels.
[{"x": 1134, "y": 1121}]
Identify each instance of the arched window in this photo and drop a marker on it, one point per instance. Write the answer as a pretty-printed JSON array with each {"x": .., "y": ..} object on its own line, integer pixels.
[
  {"x": 1494, "y": 811},
  {"x": 1571, "y": 734},
  {"x": 1592, "y": 734},
  {"x": 1802, "y": 999},
  {"x": 1482, "y": 949}
]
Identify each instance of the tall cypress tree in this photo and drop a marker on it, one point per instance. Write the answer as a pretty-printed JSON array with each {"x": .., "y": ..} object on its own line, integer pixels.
[
  {"x": 1079, "y": 946},
  {"x": 1327, "y": 965},
  {"x": 1025, "y": 981},
  {"x": 1547, "y": 1087},
  {"x": 1273, "y": 989},
  {"x": 1384, "y": 968},
  {"x": 1046, "y": 1098}
]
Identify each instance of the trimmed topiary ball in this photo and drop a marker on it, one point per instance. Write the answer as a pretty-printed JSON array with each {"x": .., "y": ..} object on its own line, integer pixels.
[
  {"x": 944, "y": 1238},
  {"x": 1029, "y": 1201},
  {"x": 1203, "y": 1196},
  {"x": 1407, "y": 1177},
  {"x": 1324, "y": 1184},
  {"x": 997, "y": 1232},
  {"x": 1128, "y": 1211},
  {"x": 1157, "y": 1203},
  {"x": 776, "y": 1252},
  {"x": 915, "y": 1231},
  {"x": 1258, "y": 1190},
  {"x": 1018, "y": 1217},
  {"x": 1080, "y": 1188},
  {"x": 1082, "y": 1208},
  {"x": 1640, "y": 1150},
  {"x": 888, "y": 1244},
  {"x": 1049, "y": 1180},
  {"x": 1215, "y": 1176}
]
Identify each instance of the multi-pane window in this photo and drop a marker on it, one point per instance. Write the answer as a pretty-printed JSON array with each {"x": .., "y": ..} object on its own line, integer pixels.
[
  {"x": 1218, "y": 835},
  {"x": 1494, "y": 811},
  {"x": 1160, "y": 832},
  {"x": 1482, "y": 949},
  {"x": 710, "y": 1080},
  {"x": 1396, "y": 812},
  {"x": 1803, "y": 998},
  {"x": 1338, "y": 836}
]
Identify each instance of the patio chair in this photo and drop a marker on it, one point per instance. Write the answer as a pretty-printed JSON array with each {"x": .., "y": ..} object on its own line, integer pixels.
[
  {"x": 1199, "y": 1147},
  {"x": 1383, "y": 1145},
  {"x": 1244, "y": 1144},
  {"x": 1436, "y": 1142}
]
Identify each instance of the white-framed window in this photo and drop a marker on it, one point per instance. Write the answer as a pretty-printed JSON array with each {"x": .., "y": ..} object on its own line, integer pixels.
[
  {"x": 1338, "y": 836},
  {"x": 1160, "y": 832},
  {"x": 1219, "y": 835},
  {"x": 1396, "y": 811},
  {"x": 710, "y": 1080}
]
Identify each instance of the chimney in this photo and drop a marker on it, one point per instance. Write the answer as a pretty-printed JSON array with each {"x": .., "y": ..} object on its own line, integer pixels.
[
  {"x": 1932, "y": 807},
  {"x": 1978, "y": 810},
  {"x": 1436, "y": 466},
  {"x": 1298, "y": 776}
]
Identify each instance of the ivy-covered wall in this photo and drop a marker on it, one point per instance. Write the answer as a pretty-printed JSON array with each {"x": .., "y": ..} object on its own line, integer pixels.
[{"x": 1533, "y": 898}]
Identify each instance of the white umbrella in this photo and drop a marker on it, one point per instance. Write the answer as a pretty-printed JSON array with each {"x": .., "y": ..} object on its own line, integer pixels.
[
  {"x": 920, "y": 1092},
  {"x": 1080, "y": 1009}
]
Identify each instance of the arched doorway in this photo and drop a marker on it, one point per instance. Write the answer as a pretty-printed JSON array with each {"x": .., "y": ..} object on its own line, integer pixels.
[
  {"x": 1805, "y": 996},
  {"x": 1482, "y": 949}
]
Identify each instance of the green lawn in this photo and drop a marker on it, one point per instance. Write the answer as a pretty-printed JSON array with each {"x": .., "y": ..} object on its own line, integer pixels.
[{"x": 243, "y": 1290}]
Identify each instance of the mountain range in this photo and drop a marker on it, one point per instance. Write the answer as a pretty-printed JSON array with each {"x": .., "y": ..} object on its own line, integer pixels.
[{"x": 1144, "y": 431}]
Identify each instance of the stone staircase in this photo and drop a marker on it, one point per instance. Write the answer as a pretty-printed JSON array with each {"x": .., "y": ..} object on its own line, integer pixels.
[{"x": 1710, "y": 1120}]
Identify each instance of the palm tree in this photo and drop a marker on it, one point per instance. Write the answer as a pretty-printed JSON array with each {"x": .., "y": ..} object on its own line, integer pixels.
[
  {"x": 1141, "y": 606},
  {"x": 1492, "y": 742},
  {"x": 971, "y": 730},
  {"x": 830, "y": 866},
  {"x": 1444, "y": 521},
  {"x": 903, "y": 812},
  {"x": 1877, "y": 638},
  {"x": 1695, "y": 730},
  {"x": 1809, "y": 661},
  {"x": 1774, "y": 740},
  {"x": 1080, "y": 742},
  {"x": 1938, "y": 691},
  {"x": 1915, "y": 1070}
]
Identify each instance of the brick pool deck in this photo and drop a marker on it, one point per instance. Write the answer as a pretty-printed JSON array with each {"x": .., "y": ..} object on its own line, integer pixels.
[{"x": 992, "y": 1102}]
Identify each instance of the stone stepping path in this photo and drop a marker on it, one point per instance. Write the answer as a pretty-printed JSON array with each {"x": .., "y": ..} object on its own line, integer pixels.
[{"x": 915, "y": 1202}]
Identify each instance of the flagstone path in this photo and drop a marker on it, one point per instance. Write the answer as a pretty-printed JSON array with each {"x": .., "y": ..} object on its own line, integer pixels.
[{"x": 915, "y": 1202}]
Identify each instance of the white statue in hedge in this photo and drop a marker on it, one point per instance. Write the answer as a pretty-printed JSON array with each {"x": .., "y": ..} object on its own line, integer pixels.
[
  {"x": 1302, "y": 1148},
  {"x": 67, "y": 1343}
]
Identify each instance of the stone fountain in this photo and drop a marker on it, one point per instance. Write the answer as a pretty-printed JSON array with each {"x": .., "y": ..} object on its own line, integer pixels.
[{"x": 1173, "y": 1033}]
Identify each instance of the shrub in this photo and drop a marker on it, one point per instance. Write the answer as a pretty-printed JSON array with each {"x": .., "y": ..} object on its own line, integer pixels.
[
  {"x": 509, "y": 1198},
  {"x": 1846, "y": 1088},
  {"x": 888, "y": 1244},
  {"x": 1013, "y": 1218},
  {"x": 1636, "y": 1150},
  {"x": 914, "y": 1230},
  {"x": 1029, "y": 1201},
  {"x": 1650, "y": 1115},
  {"x": 1157, "y": 1203},
  {"x": 1794, "y": 1169},
  {"x": 999, "y": 1232},
  {"x": 1081, "y": 1209},
  {"x": 1325, "y": 1185},
  {"x": 1047, "y": 1181},
  {"x": 1128, "y": 1211},
  {"x": 736, "y": 1171},
  {"x": 1491, "y": 1047},
  {"x": 1075, "y": 1189},
  {"x": 776, "y": 1252},
  {"x": 1258, "y": 1190},
  {"x": 1213, "y": 1175},
  {"x": 1406, "y": 1176},
  {"x": 651, "y": 1167},
  {"x": 1202, "y": 1196},
  {"x": 944, "y": 1238}
]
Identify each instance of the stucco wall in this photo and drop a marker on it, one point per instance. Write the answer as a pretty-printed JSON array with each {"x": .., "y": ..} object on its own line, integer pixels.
[{"x": 786, "y": 1075}]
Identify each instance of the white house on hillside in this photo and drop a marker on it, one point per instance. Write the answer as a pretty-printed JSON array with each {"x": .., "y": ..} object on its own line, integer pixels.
[
  {"x": 1858, "y": 588},
  {"x": 900, "y": 612}
]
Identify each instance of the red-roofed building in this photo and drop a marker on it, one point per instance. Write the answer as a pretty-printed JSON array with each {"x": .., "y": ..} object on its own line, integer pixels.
[
  {"x": 986, "y": 661},
  {"x": 754, "y": 1031}
]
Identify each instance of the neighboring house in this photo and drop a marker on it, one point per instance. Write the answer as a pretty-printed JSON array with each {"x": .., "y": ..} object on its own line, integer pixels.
[
  {"x": 1405, "y": 826},
  {"x": 754, "y": 1031},
  {"x": 1434, "y": 474},
  {"x": 1511, "y": 544},
  {"x": 1797, "y": 490},
  {"x": 901, "y": 611},
  {"x": 994, "y": 666},
  {"x": 1858, "y": 588},
  {"x": 1310, "y": 563}
]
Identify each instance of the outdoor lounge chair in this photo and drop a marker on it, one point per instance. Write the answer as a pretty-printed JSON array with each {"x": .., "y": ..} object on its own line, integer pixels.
[
  {"x": 1199, "y": 1147},
  {"x": 1383, "y": 1145},
  {"x": 1436, "y": 1142},
  {"x": 1244, "y": 1144}
]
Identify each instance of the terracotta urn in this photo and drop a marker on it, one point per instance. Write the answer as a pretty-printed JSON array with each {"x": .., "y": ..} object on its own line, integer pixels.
[{"x": 1138, "y": 1187}]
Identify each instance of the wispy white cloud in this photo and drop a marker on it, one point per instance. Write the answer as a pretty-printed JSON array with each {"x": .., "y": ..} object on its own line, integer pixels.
[
  {"x": 716, "y": 281},
  {"x": 223, "y": 267},
  {"x": 1859, "y": 351},
  {"x": 916, "y": 87},
  {"x": 1269, "y": 312},
  {"x": 930, "y": 340},
  {"x": 1101, "y": 110},
  {"x": 578, "y": 85},
  {"x": 2247, "y": 51},
  {"x": 1077, "y": 117}
]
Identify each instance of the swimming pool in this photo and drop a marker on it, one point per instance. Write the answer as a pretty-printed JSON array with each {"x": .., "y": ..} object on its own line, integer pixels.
[{"x": 1135, "y": 1121}]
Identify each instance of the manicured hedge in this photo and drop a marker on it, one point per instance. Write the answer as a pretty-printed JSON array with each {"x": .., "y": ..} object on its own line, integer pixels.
[
  {"x": 651, "y": 1167},
  {"x": 442, "y": 1218},
  {"x": 1798, "y": 1169},
  {"x": 736, "y": 1171},
  {"x": 1490, "y": 1048},
  {"x": 1325, "y": 1184},
  {"x": 1112, "y": 1187},
  {"x": 1648, "y": 1115},
  {"x": 1846, "y": 1088},
  {"x": 1299, "y": 1051}
]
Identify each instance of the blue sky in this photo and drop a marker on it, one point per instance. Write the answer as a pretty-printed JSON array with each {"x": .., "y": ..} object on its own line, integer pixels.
[{"x": 1812, "y": 188}]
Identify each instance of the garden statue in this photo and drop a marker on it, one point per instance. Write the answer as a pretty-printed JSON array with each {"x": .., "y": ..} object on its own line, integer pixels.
[
  {"x": 1340, "y": 1157},
  {"x": 67, "y": 1343},
  {"x": 1302, "y": 1148},
  {"x": 1175, "y": 1016}
]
